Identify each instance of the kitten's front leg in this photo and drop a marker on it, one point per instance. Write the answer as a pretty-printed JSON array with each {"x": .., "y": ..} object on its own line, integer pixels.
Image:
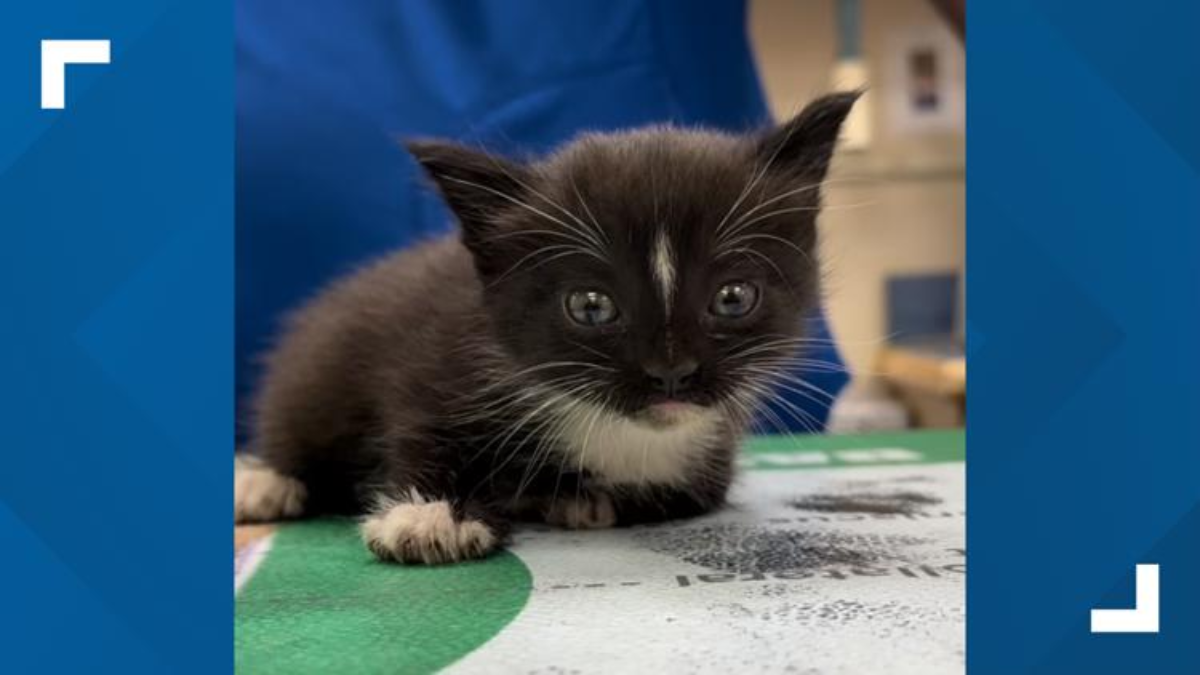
[
  {"x": 589, "y": 510},
  {"x": 600, "y": 507},
  {"x": 409, "y": 527},
  {"x": 594, "y": 504},
  {"x": 635, "y": 505},
  {"x": 655, "y": 504},
  {"x": 262, "y": 494}
]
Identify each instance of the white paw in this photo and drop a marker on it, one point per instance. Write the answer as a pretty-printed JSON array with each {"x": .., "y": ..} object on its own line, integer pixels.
[
  {"x": 425, "y": 532},
  {"x": 586, "y": 513},
  {"x": 262, "y": 494}
]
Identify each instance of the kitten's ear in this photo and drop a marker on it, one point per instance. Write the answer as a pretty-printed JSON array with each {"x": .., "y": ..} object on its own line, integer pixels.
[
  {"x": 475, "y": 184},
  {"x": 480, "y": 188},
  {"x": 804, "y": 144}
]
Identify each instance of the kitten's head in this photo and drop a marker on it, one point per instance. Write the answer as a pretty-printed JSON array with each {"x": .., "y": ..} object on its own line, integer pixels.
[{"x": 654, "y": 272}]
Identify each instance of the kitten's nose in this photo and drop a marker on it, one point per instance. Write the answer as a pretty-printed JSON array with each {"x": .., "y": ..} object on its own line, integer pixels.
[{"x": 671, "y": 380}]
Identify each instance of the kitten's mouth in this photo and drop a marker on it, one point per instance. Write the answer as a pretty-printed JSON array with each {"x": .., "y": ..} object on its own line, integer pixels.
[{"x": 669, "y": 412}]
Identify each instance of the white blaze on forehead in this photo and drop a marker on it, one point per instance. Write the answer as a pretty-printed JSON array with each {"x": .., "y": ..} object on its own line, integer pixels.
[{"x": 663, "y": 267}]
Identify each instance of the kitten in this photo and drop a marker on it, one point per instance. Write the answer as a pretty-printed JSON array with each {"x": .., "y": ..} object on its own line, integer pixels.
[{"x": 587, "y": 353}]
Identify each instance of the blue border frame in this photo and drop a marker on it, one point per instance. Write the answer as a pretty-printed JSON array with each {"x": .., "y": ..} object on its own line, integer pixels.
[
  {"x": 116, "y": 271},
  {"x": 115, "y": 340},
  {"x": 1084, "y": 331}
]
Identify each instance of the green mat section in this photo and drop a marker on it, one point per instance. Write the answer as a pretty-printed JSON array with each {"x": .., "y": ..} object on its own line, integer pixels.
[
  {"x": 823, "y": 452},
  {"x": 939, "y": 444},
  {"x": 319, "y": 603}
]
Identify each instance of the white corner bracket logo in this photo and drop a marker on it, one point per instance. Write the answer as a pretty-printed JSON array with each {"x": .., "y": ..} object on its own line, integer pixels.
[
  {"x": 56, "y": 56},
  {"x": 1143, "y": 618}
]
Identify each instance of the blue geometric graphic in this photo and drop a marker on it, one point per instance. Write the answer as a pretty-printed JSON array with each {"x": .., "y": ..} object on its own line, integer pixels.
[
  {"x": 1084, "y": 261},
  {"x": 116, "y": 274}
]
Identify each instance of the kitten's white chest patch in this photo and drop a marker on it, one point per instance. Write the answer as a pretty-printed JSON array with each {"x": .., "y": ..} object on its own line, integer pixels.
[{"x": 618, "y": 450}]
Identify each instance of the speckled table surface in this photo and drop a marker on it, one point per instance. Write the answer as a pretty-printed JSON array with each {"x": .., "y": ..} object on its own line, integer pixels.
[{"x": 836, "y": 554}]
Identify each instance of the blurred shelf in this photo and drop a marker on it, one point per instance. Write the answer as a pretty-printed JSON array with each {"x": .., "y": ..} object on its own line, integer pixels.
[
  {"x": 869, "y": 166},
  {"x": 929, "y": 378}
]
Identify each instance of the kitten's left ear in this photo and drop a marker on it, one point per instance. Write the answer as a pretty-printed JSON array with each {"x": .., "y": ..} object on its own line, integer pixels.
[
  {"x": 804, "y": 145},
  {"x": 481, "y": 189},
  {"x": 476, "y": 185}
]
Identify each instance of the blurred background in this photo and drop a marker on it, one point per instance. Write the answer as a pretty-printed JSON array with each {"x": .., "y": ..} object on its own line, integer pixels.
[
  {"x": 894, "y": 233},
  {"x": 326, "y": 90}
]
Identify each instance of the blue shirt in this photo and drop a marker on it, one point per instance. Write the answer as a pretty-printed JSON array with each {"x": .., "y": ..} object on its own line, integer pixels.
[{"x": 325, "y": 89}]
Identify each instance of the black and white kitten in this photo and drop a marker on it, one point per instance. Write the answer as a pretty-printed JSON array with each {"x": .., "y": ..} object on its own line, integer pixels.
[{"x": 587, "y": 353}]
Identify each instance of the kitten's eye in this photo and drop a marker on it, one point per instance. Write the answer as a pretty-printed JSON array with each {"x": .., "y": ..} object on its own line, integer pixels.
[
  {"x": 591, "y": 308},
  {"x": 735, "y": 300}
]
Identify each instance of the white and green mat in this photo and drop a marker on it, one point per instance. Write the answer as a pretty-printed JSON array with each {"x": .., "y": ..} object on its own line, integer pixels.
[{"x": 836, "y": 555}]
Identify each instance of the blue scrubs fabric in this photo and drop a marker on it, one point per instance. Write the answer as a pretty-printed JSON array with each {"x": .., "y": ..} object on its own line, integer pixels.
[{"x": 325, "y": 89}]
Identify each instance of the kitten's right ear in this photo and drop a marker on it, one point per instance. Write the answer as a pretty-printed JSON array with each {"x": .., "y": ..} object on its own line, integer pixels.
[
  {"x": 804, "y": 144},
  {"x": 476, "y": 185}
]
